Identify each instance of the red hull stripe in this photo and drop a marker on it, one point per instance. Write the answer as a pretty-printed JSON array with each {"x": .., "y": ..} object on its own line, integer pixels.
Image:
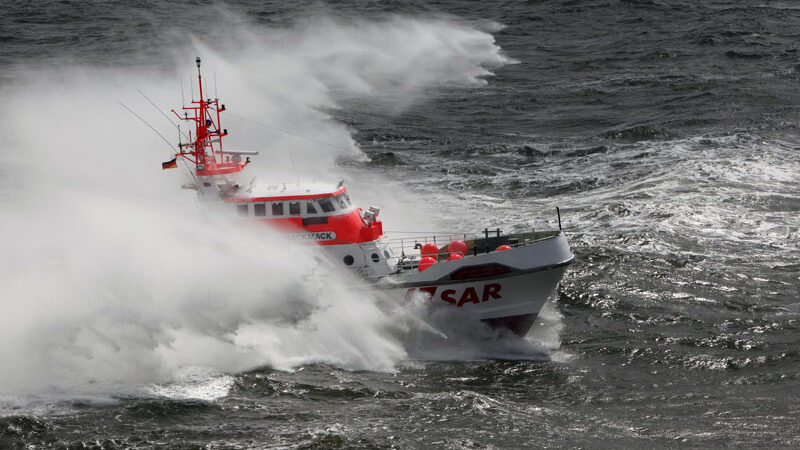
[{"x": 349, "y": 228}]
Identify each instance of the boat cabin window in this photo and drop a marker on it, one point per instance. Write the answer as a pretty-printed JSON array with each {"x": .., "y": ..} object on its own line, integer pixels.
[
  {"x": 326, "y": 205},
  {"x": 340, "y": 200},
  {"x": 310, "y": 208},
  {"x": 294, "y": 208},
  {"x": 242, "y": 209},
  {"x": 260, "y": 209},
  {"x": 277, "y": 208}
]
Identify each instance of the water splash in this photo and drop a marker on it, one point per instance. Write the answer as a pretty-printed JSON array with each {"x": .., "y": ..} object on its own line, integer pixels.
[{"x": 110, "y": 276}]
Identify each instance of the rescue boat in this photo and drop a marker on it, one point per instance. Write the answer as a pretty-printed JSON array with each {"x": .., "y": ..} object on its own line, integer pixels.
[{"x": 502, "y": 279}]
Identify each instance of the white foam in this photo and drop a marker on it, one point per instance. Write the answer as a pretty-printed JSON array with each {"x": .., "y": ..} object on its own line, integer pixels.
[
  {"x": 195, "y": 383},
  {"x": 110, "y": 277}
]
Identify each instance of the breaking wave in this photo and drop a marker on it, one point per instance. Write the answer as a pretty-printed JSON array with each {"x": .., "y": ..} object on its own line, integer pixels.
[{"x": 111, "y": 276}]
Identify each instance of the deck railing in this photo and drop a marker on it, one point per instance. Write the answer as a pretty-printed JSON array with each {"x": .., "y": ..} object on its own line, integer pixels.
[{"x": 486, "y": 242}]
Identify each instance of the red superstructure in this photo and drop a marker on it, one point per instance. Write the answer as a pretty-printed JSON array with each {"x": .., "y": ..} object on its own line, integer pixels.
[
  {"x": 327, "y": 215},
  {"x": 318, "y": 213}
]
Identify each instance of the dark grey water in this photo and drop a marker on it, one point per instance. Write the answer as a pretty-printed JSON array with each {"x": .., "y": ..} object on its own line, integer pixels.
[{"x": 666, "y": 131}]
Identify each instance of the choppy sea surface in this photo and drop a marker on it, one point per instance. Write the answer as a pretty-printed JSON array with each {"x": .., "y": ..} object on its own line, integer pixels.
[{"x": 666, "y": 132}]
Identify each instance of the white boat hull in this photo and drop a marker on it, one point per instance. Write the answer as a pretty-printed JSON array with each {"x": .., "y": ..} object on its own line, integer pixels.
[{"x": 511, "y": 299}]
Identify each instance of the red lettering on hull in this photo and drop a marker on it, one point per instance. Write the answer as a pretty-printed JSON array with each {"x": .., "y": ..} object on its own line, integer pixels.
[
  {"x": 448, "y": 296},
  {"x": 491, "y": 290},
  {"x": 469, "y": 295}
]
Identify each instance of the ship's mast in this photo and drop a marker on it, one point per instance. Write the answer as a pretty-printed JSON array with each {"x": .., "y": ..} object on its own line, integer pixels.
[
  {"x": 201, "y": 128},
  {"x": 204, "y": 149}
]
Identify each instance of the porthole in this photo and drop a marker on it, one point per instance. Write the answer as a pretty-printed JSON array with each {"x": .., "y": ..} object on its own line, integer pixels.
[
  {"x": 375, "y": 257},
  {"x": 386, "y": 254},
  {"x": 349, "y": 260}
]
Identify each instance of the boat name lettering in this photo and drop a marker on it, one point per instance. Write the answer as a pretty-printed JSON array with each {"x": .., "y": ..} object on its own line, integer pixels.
[
  {"x": 459, "y": 297},
  {"x": 313, "y": 236}
]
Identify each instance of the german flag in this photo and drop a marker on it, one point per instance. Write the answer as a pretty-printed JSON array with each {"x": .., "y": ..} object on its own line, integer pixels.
[{"x": 171, "y": 164}]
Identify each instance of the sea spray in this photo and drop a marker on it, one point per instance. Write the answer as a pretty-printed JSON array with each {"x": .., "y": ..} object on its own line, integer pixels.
[
  {"x": 110, "y": 273},
  {"x": 131, "y": 295}
]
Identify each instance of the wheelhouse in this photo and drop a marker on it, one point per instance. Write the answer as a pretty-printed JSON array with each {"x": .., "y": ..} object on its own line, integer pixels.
[
  {"x": 283, "y": 207},
  {"x": 323, "y": 215}
]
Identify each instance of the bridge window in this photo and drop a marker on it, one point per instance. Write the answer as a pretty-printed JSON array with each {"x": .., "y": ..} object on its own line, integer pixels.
[
  {"x": 339, "y": 199},
  {"x": 242, "y": 209},
  {"x": 294, "y": 208},
  {"x": 260, "y": 209},
  {"x": 310, "y": 208},
  {"x": 277, "y": 208},
  {"x": 326, "y": 205}
]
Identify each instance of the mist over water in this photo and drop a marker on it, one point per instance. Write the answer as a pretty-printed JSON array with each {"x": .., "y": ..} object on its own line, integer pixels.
[
  {"x": 111, "y": 275},
  {"x": 666, "y": 132}
]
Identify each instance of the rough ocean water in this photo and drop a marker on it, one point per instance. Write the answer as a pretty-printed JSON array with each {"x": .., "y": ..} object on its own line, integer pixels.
[{"x": 666, "y": 131}]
